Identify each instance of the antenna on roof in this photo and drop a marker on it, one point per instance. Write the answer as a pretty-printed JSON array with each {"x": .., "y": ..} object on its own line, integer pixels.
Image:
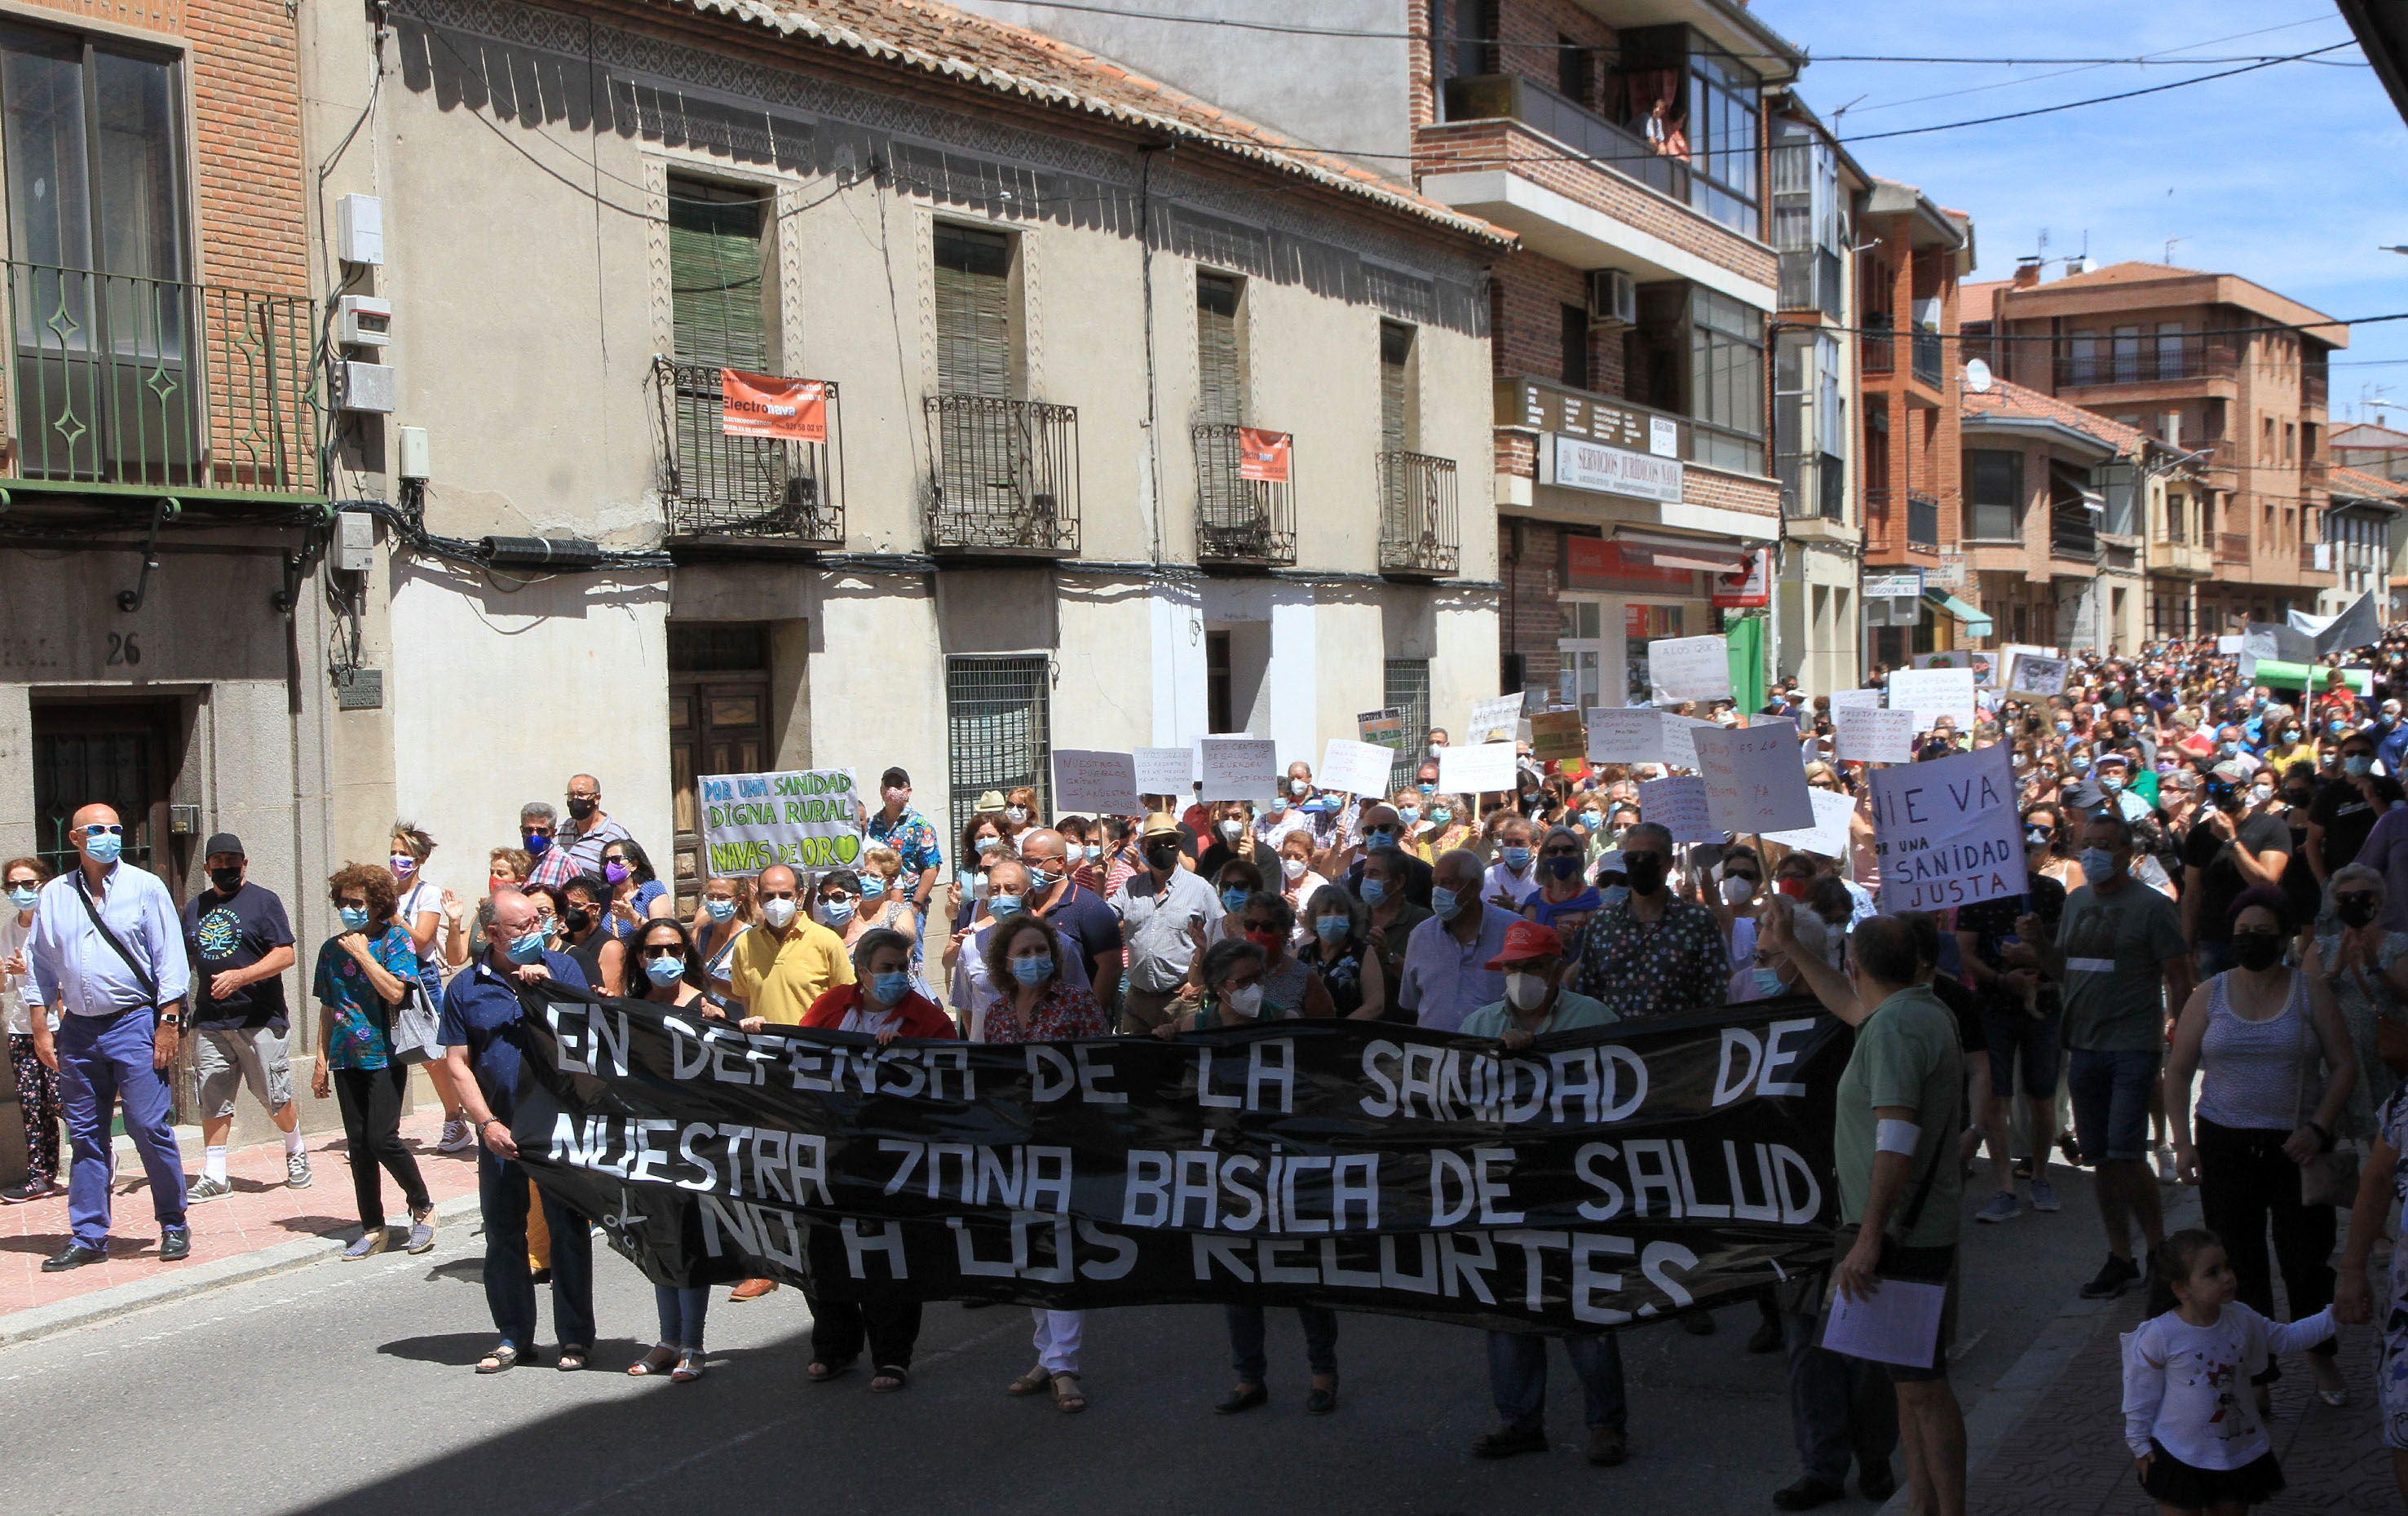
[{"x": 2169, "y": 247}]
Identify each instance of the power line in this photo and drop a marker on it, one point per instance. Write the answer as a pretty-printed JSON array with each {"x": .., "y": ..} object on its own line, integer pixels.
[{"x": 2096, "y": 100}]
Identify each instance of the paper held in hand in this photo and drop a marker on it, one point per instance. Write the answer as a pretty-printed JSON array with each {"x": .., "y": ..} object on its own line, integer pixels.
[
  {"x": 1626, "y": 735},
  {"x": 1898, "y": 1324},
  {"x": 1494, "y": 721},
  {"x": 1869, "y": 735},
  {"x": 1829, "y": 837},
  {"x": 1165, "y": 771},
  {"x": 1947, "y": 832},
  {"x": 1690, "y": 667},
  {"x": 1096, "y": 784},
  {"x": 1754, "y": 781},
  {"x": 1484, "y": 769},
  {"x": 1239, "y": 768},
  {"x": 1678, "y": 804},
  {"x": 1555, "y": 737},
  {"x": 1933, "y": 692},
  {"x": 1356, "y": 767}
]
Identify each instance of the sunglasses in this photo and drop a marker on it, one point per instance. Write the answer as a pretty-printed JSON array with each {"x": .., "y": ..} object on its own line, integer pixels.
[
  {"x": 1561, "y": 850},
  {"x": 103, "y": 829},
  {"x": 353, "y": 902},
  {"x": 2356, "y": 898},
  {"x": 663, "y": 950}
]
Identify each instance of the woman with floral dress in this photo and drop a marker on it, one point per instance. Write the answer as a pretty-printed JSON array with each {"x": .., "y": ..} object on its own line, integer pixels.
[{"x": 364, "y": 974}]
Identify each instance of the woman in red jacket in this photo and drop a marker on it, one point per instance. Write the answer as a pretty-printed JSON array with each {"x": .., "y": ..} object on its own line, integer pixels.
[{"x": 882, "y": 1003}]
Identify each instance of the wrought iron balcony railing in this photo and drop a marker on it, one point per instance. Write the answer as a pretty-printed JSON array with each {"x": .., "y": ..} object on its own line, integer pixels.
[
  {"x": 1877, "y": 345},
  {"x": 1006, "y": 477},
  {"x": 1417, "y": 522},
  {"x": 1241, "y": 521},
  {"x": 1922, "y": 522},
  {"x": 1926, "y": 357},
  {"x": 127, "y": 385},
  {"x": 759, "y": 488}
]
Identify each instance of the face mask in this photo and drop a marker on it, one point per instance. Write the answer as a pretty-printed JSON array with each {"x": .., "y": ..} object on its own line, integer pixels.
[
  {"x": 402, "y": 865},
  {"x": 104, "y": 848},
  {"x": 227, "y": 879},
  {"x": 1269, "y": 942},
  {"x": 1615, "y": 895},
  {"x": 577, "y": 921},
  {"x": 1441, "y": 815},
  {"x": 1409, "y": 814},
  {"x": 2079, "y": 763},
  {"x": 1003, "y": 906},
  {"x": 2111, "y": 783},
  {"x": 528, "y": 947},
  {"x": 537, "y": 844},
  {"x": 1162, "y": 856},
  {"x": 1279, "y": 804},
  {"x": 355, "y": 918},
  {"x": 1516, "y": 859},
  {"x": 2357, "y": 911},
  {"x": 1527, "y": 992},
  {"x": 2257, "y": 950},
  {"x": 616, "y": 873},
  {"x": 2065, "y": 727},
  {"x": 1434, "y": 749},
  {"x": 988, "y": 844},
  {"x": 2231, "y": 746},
  {"x": 1645, "y": 871},
  {"x": 2290, "y": 734},
  {"x": 719, "y": 911},
  {"x": 1563, "y": 868},
  {"x": 580, "y": 808},
  {"x": 1233, "y": 899},
  {"x": 835, "y": 913},
  {"x": 2260, "y": 793},
  {"x": 1299, "y": 788},
  {"x": 2297, "y": 799},
  {"x": 1333, "y": 929},
  {"x": 896, "y": 797},
  {"x": 23, "y": 895},
  {"x": 1041, "y": 881},
  {"x": 1015, "y": 814},
  {"x": 1374, "y": 890},
  {"x": 778, "y": 911},
  {"x": 664, "y": 971},
  {"x": 1738, "y": 892},
  {"x": 871, "y": 884},
  {"x": 889, "y": 989},
  {"x": 1093, "y": 853},
  {"x": 1292, "y": 868},
  {"x": 1618, "y": 833},
  {"x": 1232, "y": 829},
  {"x": 1245, "y": 1002},
  {"x": 1033, "y": 971},
  {"x": 1380, "y": 840},
  {"x": 1442, "y": 902},
  {"x": 2098, "y": 864},
  {"x": 1794, "y": 889},
  {"x": 2357, "y": 766},
  {"x": 2035, "y": 837},
  {"x": 1768, "y": 982}
]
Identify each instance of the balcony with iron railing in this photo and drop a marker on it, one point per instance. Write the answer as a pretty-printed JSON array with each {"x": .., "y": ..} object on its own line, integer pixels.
[
  {"x": 1926, "y": 357},
  {"x": 1005, "y": 477},
  {"x": 1877, "y": 345},
  {"x": 2315, "y": 388},
  {"x": 768, "y": 491},
  {"x": 1242, "y": 520},
  {"x": 1814, "y": 487},
  {"x": 2145, "y": 359},
  {"x": 2072, "y": 534},
  {"x": 1922, "y": 522},
  {"x": 152, "y": 388},
  {"x": 1418, "y": 536}
]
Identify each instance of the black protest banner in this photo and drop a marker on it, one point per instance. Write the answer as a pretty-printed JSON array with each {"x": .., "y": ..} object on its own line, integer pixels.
[{"x": 1590, "y": 1180}]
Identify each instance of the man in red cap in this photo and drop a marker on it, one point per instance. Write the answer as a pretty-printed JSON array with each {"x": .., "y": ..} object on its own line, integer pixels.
[{"x": 1535, "y": 1004}]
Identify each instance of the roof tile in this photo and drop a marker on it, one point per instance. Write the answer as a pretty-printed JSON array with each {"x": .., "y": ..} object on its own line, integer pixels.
[{"x": 2005, "y": 399}]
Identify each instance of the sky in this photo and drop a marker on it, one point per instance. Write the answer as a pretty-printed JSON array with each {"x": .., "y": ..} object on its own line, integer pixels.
[{"x": 2291, "y": 176}]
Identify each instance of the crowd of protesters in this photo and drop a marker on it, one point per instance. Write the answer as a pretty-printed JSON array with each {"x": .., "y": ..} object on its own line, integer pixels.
[{"x": 2203, "y": 984}]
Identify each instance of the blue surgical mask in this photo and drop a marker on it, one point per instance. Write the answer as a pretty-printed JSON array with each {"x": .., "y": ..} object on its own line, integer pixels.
[
  {"x": 1441, "y": 814},
  {"x": 1429, "y": 789},
  {"x": 1615, "y": 895},
  {"x": 871, "y": 884},
  {"x": 2357, "y": 766},
  {"x": 2079, "y": 763},
  {"x": 2098, "y": 864},
  {"x": 1234, "y": 900},
  {"x": 1768, "y": 981},
  {"x": 2111, "y": 783},
  {"x": 1380, "y": 838},
  {"x": 1516, "y": 859},
  {"x": 889, "y": 989},
  {"x": 988, "y": 844},
  {"x": 528, "y": 949},
  {"x": 23, "y": 895},
  {"x": 1003, "y": 906},
  {"x": 1094, "y": 851},
  {"x": 106, "y": 847},
  {"x": 1035, "y": 970},
  {"x": 719, "y": 911},
  {"x": 835, "y": 913},
  {"x": 1375, "y": 891},
  {"x": 1593, "y": 820},
  {"x": 355, "y": 918},
  {"x": 664, "y": 970},
  {"x": 1332, "y": 929},
  {"x": 2065, "y": 727},
  {"x": 1410, "y": 814},
  {"x": 1442, "y": 901}
]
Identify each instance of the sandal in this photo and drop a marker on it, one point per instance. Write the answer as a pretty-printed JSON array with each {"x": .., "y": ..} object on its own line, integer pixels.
[
  {"x": 499, "y": 1359},
  {"x": 888, "y": 1379},
  {"x": 571, "y": 1359},
  {"x": 689, "y": 1368},
  {"x": 821, "y": 1373},
  {"x": 1033, "y": 1382},
  {"x": 659, "y": 1361},
  {"x": 1068, "y": 1401}
]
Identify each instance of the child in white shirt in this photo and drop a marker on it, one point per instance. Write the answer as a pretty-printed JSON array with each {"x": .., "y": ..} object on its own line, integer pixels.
[{"x": 2188, "y": 1415}]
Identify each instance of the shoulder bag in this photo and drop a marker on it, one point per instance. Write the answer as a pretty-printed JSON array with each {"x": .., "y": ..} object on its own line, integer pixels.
[{"x": 141, "y": 975}]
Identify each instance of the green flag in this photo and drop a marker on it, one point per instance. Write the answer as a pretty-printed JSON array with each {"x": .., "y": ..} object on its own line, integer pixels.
[{"x": 1744, "y": 636}]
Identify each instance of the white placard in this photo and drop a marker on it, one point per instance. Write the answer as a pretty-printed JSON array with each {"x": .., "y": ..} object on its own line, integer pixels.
[
  {"x": 1626, "y": 735},
  {"x": 1096, "y": 784},
  {"x": 1678, "y": 804},
  {"x": 1839, "y": 699},
  {"x": 2227, "y": 646},
  {"x": 1933, "y": 692},
  {"x": 2037, "y": 676},
  {"x": 1482, "y": 769},
  {"x": 1898, "y": 1324},
  {"x": 1829, "y": 837},
  {"x": 1869, "y": 735},
  {"x": 1679, "y": 750},
  {"x": 1356, "y": 767},
  {"x": 1239, "y": 768},
  {"x": 1946, "y": 833},
  {"x": 1754, "y": 781},
  {"x": 1690, "y": 667},
  {"x": 1494, "y": 721},
  {"x": 1165, "y": 771}
]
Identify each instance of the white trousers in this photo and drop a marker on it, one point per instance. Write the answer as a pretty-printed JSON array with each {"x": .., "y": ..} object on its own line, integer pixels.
[{"x": 1057, "y": 1339}]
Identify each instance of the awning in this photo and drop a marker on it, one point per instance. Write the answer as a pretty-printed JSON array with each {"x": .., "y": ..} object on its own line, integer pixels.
[
  {"x": 1702, "y": 554},
  {"x": 1974, "y": 623}
]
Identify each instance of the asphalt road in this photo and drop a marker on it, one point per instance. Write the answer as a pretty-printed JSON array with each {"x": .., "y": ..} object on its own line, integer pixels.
[{"x": 346, "y": 1387}]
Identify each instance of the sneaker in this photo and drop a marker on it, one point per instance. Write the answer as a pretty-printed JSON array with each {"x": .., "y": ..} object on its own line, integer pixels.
[
  {"x": 2044, "y": 1196},
  {"x": 17, "y": 1194},
  {"x": 2114, "y": 1276},
  {"x": 368, "y": 1246},
  {"x": 2161, "y": 1159},
  {"x": 422, "y": 1233},
  {"x": 458, "y": 1137},
  {"x": 297, "y": 1170},
  {"x": 206, "y": 1188},
  {"x": 2003, "y": 1207}
]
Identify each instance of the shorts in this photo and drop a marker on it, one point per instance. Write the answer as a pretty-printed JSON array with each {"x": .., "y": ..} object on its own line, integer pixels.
[
  {"x": 1914, "y": 1265},
  {"x": 2111, "y": 1103},
  {"x": 235, "y": 1055},
  {"x": 2017, "y": 1039}
]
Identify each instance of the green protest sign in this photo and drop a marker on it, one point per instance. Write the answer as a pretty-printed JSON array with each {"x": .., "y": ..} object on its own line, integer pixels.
[{"x": 803, "y": 818}]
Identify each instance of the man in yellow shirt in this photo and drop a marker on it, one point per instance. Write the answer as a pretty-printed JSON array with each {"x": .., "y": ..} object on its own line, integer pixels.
[{"x": 779, "y": 968}]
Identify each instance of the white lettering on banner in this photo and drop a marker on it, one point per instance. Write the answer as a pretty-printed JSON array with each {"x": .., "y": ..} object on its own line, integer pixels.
[
  {"x": 1356, "y": 767},
  {"x": 1934, "y": 693},
  {"x": 1829, "y": 837},
  {"x": 1690, "y": 667},
  {"x": 1626, "y": 735},
  {"x": 1946, "y": 833},
  {"x": 802, "y": 817},
  {"x": 1869, "y": 735},
  {"x": 1239, "y": 768},
  {"x": 1678, "y": 804},
  {"x": 1165, "y": 771},
  {"x": 1484, "y": 769},
  {"x": 1097, "y": 783},
  {"x": 1494, "y": 721},
  {"x": 1593, "y": 465},
  {"x": 1754, "y": 781}
]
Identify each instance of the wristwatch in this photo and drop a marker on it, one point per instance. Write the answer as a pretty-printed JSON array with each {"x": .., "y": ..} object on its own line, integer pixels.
[{"x": 172, "y": 1020}]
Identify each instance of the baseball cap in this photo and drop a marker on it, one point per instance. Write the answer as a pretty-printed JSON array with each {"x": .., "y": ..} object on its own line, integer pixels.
[
  {"x": 2231, "y": 772},
  {"x": 224, "y": 843},
  {"x": 895, "y": 777},
  {"x": 1525, "y": 941},
  {"x": 2110, "y": 756}
]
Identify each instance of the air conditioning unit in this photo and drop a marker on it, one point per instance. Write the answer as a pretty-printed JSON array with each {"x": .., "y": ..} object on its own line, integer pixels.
[{"x": 1613, "y": 298}]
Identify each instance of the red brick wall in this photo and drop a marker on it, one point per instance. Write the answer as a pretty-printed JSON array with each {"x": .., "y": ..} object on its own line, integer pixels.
[
  {"x": 1527, "y": 294},
  {"x": 1527, "y": 622},
  {"x": 1517, "y": 453},
  {"x": 1730, "y": 491}
]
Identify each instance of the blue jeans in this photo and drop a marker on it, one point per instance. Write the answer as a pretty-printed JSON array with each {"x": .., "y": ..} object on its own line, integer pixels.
[
  {"x": 1517, "y": 1379},
  {"x": 1246, "y": 1340},
  {"x": 510, "y": 1288},
  {"x": 104, "y": 1062},
  {"x": 682, "y": 1314}
]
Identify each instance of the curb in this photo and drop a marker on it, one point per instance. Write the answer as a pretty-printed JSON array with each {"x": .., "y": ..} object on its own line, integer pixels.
[{"x": 120, "y": 1299}]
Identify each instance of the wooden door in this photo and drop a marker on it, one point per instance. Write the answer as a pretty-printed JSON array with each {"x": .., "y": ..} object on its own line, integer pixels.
[{"x": 719, "y": 724}]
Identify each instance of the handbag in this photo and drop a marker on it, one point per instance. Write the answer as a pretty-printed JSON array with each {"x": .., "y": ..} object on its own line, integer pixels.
[
  {"x": 414, "y": 1027},
  {"x": 2329, "y": 1178}
]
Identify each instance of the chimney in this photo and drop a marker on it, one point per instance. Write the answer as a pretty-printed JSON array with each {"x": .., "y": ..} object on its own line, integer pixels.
[{"x": 2027, "y": 271}]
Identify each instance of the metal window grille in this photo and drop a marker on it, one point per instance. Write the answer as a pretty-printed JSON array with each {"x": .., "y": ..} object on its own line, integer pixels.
[
  {"x": 1407, "y": 687},
  {"x": 997, "y": 728}
]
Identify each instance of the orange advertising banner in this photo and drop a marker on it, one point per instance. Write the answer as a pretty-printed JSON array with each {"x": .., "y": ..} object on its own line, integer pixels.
[
  {"x": 763, "y": 405},
  {"x": 1263, "y": 455}
]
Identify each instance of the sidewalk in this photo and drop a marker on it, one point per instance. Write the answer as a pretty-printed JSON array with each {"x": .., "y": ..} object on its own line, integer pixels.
[{"x": 258, "y": 1224}]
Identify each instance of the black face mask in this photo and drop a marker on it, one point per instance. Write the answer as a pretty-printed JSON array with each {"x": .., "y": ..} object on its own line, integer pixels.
[
  {"x": 2357, "y": 911},
  {"x": 1645, "y": 872},
  {"x": 576, "y": 921},
  {"x": 227, "y": 879},
  {"x": 2297, "y": 799},
  {"x": 1163, "y": 855},
  {"x": 580, "y": 808},
  {"x": 2257, "y": 950}
]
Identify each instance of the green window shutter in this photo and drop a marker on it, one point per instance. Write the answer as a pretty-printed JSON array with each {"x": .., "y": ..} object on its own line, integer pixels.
[
  {"x": 1220, "y": 376},
  {"x": 715, "y": 283},
  {"x": 973, "y": 312}
]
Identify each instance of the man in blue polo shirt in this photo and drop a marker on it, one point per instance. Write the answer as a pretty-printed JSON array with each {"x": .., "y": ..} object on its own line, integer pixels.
[{"x": 481, "y": 1007}]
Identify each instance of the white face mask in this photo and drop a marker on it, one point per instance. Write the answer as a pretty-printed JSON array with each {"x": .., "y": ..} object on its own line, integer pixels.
[
  {"x": 1233, "y": 829},
  {"x": 779, "y": 912},
  {"x": 1245, "y": 1003},
  {"x": 1526, "y": 992},
  {"x": 1015, "y": 814},
  {"x": 1738, "y": 892},
  {"x": 1292, "y": 868},
  {"x": 1299, "y": 788}
]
